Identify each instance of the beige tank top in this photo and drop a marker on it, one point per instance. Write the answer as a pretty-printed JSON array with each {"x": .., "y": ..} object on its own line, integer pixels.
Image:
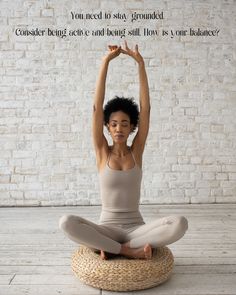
[{"x": 120, "y": 189}]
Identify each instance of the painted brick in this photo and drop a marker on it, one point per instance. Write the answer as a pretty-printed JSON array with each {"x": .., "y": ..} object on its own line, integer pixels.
[{"x": 47, "y": 88}]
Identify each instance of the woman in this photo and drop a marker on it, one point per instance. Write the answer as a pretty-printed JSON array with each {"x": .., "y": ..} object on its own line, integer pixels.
[{"x": 121, "y": 228}]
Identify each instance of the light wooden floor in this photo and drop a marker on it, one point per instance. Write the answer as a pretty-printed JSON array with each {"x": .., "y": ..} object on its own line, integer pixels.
[{"x": 35, "y": 255}]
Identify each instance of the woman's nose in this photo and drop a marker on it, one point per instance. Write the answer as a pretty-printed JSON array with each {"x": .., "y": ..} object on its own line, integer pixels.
[{"x": 118, "y": 127}]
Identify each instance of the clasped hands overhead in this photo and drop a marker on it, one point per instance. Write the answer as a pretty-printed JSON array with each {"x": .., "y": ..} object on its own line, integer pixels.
[{"x": 115, "y": 51}]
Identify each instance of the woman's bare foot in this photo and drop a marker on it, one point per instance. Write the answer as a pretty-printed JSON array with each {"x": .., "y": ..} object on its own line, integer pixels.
[
  {"x": 148, "y": 251},
  {"x": 103, "y": 255},
  {"x": 107, "y": 255},
  {"x": 142, "y": 252}
]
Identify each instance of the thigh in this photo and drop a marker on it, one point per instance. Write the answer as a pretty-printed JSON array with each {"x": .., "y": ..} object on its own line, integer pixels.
[
  {"x": 107, "y": 230},
  {"x": 145, "y": 228}
]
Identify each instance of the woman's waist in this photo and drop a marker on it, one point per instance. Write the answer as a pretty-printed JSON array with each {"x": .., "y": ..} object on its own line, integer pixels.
[
  {"x": 116, "y": 210},
  {"x": 120, "y": 216}
]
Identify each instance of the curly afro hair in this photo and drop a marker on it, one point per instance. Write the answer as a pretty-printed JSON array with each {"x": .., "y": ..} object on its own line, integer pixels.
[{"x": 126, "y": 105}]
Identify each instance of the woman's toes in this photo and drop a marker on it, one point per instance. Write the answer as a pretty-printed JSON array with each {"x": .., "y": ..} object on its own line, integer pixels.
[
  {"x": 148, "y": 251},
  {"x": 103, "y": 255}
]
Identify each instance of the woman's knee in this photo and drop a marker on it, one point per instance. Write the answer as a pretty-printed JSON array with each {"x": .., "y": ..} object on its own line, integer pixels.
[
  {"x": 66, "y": 221},
  {"x": 182, "y": 223}
]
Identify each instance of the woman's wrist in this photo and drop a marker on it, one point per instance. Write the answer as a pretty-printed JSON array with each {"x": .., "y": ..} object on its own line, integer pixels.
[
  {"x": 141, "y": 63},
  {"x": 105, "y": 60}
]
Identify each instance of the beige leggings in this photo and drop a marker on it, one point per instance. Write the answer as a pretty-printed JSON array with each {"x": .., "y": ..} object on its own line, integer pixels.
[{"x": 108, "y": 237}]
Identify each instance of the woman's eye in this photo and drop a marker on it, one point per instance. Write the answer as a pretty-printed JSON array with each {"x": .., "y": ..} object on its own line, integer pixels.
[{"x": 114, "y": 125}]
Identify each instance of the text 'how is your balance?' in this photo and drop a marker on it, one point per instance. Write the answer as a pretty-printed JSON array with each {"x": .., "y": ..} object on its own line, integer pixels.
[
  {"x": 122, "y": 33},
  {"x": 146, "y": 31}
]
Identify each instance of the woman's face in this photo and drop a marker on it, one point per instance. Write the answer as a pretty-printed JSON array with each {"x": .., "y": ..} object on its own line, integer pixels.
[{"x": 119, "y": 126}]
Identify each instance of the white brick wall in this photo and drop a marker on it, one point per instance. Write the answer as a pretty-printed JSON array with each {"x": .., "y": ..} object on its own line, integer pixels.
[{"x": 46, "y": 94}]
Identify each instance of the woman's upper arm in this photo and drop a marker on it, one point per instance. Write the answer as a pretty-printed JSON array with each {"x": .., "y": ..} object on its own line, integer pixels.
[
  {"x": 99, "y": 139},
  {"x": 143, "y": 128}
]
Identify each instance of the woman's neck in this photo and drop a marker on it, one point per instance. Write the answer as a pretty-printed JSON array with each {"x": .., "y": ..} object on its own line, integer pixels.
[{"x": 120, "y": 150}]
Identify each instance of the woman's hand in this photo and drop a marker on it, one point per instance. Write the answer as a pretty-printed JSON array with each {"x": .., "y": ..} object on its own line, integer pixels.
[
  {"x": 135, "y": 54},
  {"x": 114, "y": 52}
]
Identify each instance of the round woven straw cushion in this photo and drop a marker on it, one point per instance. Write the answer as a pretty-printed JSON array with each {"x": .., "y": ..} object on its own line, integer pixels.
[{"x": 121, "y": 273}]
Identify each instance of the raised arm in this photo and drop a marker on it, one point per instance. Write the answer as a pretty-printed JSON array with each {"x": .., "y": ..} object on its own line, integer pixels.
[
  {"x": 97, "y": 122},
  {"x": 144, "y": 100}
]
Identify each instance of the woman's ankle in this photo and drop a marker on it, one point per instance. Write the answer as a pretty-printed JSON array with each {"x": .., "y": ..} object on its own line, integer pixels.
[
  {"x": 124, "y": 248},
  {"x": 127, "y": 244}
]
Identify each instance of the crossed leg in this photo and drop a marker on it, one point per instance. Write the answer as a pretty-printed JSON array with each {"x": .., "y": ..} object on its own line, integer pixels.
[
  {"x": 85, "y": 232},
  {"x": 159, "y": 232}
]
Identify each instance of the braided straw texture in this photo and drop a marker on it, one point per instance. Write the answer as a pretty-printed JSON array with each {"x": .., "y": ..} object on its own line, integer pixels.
[{"x": 121, "y": 273}]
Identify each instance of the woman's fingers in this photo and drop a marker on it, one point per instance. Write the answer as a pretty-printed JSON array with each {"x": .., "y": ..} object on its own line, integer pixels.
[
  {"x": 124, "y": 51},
  {"x": 116, "y": 50},
  {"x": 126, "y": 46},
  {"x": 112, "y": 47},
  {"x": 133, "y": 53},
  {"x": 129, "y": 51}
]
